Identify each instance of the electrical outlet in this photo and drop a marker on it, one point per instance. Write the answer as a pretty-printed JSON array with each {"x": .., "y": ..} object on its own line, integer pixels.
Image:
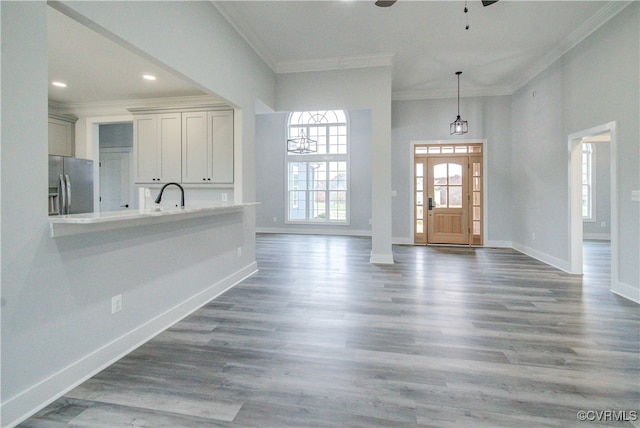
[
  {"x": 603, "y": 224},
  {"x": 275, "y": 219},
  {"x": 239, "y": 251},
  {"x": 533, "y": 236},
  {"x": 635, "y": 196},
  {"x": 224, "y": 197},
  {"x": 116, "y": 304}
]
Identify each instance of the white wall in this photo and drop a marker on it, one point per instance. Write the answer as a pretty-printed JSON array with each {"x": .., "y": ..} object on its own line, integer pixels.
[
  {"x": 271, "y": 135},
  {"x": 56, "y": 293},
  {"x": 595, "y": 83},
  {"x": 428, "y": 120},
  {"x": 361, "y": 88}
]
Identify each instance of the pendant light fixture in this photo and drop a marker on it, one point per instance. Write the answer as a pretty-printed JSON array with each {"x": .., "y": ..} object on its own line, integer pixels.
[
  {"x": 302, "y": 144},
  {"x": 459, "y": 126}
]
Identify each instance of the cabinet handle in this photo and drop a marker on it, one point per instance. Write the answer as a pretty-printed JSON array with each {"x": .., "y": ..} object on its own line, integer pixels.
[
  {"x": 209, "y": 179},
  {"x": 204, "y": 179}
]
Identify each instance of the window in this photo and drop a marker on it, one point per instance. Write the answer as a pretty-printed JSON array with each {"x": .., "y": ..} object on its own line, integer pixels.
[
  {"x": 587, "y": 182},
  {"x": 317, "y": 183}
]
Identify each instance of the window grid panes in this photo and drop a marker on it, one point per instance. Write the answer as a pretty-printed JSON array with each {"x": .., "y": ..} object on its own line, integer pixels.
[
  {"x": 419, "y": 186},
  {"x": 318, "y": 182},
  {"x": 447, "y": 189},
  {"x": 477, "y": 198},
  {"x": 587, "y": 181},
  {"x": 443, "y": 150}
]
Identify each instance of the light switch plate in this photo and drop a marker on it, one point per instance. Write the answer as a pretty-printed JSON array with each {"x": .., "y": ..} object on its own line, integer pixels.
[{"x": 635, "y": 195}]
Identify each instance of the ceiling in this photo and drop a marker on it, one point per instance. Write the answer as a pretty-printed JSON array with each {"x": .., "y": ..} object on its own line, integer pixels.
[
  {"x": 96, "y": 69},
  {"x": 507, "y": 44}
]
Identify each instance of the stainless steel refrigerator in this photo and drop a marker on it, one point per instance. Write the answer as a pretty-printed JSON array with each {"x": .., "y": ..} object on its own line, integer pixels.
[{"x": 70, "y": 185}]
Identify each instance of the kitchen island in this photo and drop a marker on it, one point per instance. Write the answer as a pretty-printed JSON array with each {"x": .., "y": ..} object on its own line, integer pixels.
[{"x": 74, "y": 224}]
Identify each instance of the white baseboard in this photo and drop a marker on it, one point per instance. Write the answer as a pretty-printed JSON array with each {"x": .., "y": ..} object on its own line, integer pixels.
[
  {"x": 399, "y": 240},
  {"x": 498, "y": 244},
  {"x": 626, "y": 291},
  {"x": 313, "y": 231},
  {"x": 543, "y": 257},
  {"x": 381, "y": 259},
  {"x": 597, "y": 236},
  {"x": 19, "y": 407}
]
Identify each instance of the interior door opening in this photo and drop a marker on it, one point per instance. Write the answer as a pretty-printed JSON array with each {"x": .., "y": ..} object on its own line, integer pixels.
[
  {"x": 448, "y": 198},
  {"x": 603, "y": 134}
]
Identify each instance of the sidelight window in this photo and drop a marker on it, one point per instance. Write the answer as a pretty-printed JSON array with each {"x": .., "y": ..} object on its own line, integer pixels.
[{"x": 587, "y": 182}]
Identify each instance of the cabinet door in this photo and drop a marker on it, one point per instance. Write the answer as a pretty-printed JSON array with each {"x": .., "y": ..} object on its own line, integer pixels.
[
  {"x": 146, "y": 153},
  {"x": 60, "y": 137},
  {"x": 169, "y": 140},
  {"x": 221, "y": 143},
  {"x": 195, "y": 148}
]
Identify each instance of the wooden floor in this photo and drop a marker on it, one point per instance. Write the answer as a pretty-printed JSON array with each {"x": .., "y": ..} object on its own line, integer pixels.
[{"x": 446, "y": 337}]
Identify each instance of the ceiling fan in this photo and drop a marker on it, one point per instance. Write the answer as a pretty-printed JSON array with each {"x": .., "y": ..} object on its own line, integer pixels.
[{"x": 387, "y": 3}]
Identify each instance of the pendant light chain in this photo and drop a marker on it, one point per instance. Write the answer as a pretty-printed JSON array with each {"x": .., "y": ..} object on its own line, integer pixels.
[
  {"x": 459, "y": 73},
  {"x": 466, "y": 14},
  {"x": 459, "y": 126}
]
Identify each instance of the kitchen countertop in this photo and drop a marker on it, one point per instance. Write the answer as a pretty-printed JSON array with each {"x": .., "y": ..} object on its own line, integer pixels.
[{"x": 73, "y": 224}]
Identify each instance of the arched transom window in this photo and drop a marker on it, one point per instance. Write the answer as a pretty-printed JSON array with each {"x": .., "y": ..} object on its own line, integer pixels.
[{"x": 318, "y": 173}]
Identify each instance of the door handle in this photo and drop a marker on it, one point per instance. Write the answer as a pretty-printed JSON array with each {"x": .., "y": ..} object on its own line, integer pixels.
[
  {"x": 63, "y": 196},
  {"x": 124, "y": 206},
  {"x": 66, "y": 178},
  {"x": 431, "y": 206}
]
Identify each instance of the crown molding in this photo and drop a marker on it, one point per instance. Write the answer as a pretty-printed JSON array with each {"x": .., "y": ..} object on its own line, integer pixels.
[
  {"x": 336, "y": 63},
  {"x": 123, "y": 106},
  {"x": 229, "y": 12},
  {"x": 447, "y": 93},
  {"x": 608, "y": 11}
]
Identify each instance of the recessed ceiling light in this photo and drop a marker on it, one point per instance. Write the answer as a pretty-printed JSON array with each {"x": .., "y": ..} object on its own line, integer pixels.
[
  {"x": 149, "y": 76},
  {"x": 59, "y": 84}
]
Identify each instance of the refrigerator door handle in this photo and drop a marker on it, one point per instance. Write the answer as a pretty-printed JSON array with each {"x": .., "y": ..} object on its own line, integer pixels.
[
  {"x": 66, "y": 176},
  {"x": 63, "y": 196}
]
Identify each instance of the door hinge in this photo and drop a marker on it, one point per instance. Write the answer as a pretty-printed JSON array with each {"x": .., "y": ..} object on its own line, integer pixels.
[
  {"x": 99, "y": 164},
  {"x": 99, "y": 198}
]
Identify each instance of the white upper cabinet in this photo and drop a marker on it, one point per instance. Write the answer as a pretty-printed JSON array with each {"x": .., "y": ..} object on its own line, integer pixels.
[
  {"x": 189, "y": 146},
  {"x": 195, "y": 148},
  {"x": 207, "y": 147},
  {"x": 157, "y": 147},
  {"x": 62, "y": 135},
  {"x": 221, "y": 143}
]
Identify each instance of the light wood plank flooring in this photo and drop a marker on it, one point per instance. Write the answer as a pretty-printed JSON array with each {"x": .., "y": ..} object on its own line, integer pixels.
[{"x": 446, "y": 337}]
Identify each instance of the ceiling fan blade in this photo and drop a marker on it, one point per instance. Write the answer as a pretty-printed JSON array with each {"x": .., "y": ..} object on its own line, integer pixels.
[
  {"x": 385, "y": 3},
  {"x": 488, "y": 2}
]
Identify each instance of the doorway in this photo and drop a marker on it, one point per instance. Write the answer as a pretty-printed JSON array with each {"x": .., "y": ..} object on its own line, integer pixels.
[
  {"x": 576, "y": 197},
  {"x": 115, "y": 179},
  {"x": 448, "y": 194},
  {"x": 115, "y": 143}
]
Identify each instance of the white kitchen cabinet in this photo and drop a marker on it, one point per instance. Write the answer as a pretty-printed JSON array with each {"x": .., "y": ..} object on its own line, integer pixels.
[
  {"x": 207, "y": 147},
  {"x": 157, "y": 147},
  {"x": 62, "y": 135},
  {"x": 195, "y": 148}
]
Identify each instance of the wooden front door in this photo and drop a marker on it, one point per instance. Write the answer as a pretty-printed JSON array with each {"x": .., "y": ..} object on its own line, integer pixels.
[{"x": 448, "y": 194}]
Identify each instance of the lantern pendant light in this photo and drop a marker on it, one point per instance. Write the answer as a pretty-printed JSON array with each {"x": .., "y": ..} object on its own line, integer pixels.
[{"x": 459, "y": 126}]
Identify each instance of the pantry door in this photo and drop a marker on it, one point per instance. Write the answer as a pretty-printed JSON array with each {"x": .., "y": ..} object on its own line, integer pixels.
[{"x": 447, "y": 196}]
